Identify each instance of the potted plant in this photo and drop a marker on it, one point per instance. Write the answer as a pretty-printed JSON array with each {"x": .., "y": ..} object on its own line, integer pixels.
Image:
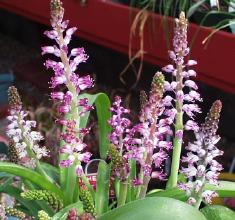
[{"x": 130, "y": 154}]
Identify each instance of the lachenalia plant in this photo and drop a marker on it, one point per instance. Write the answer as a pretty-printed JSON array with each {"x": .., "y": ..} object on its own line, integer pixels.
[{"x": 131, "y": 155}]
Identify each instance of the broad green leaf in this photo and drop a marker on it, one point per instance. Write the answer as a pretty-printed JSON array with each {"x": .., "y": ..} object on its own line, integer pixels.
[
  {"x": 175, "y": 193},
  {"x": 155, "y": 208},
  {"x": 63, "y": 213},
  {"x": 225, "y": 188},
  {"x": 32, "y": 176},
  {"x": 217, "y": 212},
  {"x": 102, "y": 106},
  {"x": 102, "y": 188}
]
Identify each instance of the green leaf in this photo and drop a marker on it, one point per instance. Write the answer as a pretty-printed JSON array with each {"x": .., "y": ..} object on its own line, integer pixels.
[
  {"x": 225, "y": 188},
  {"x": 175, "y": 193},
  {"x": 32, "y": 176},
  {"x": 154, "y": 208},
  {"x": 102, "y": 188},
  {"x": 194, "y": 8},
  {"x": 217, "y": 212},
  {"x": 52, "y": 171},
  {"x": 62, "y": 214},
  {"x": 102, "y": 104}
]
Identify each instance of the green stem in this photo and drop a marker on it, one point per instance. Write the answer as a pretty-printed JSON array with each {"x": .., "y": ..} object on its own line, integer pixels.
[
  {"x": 144, "y": 187},
  {"x": 198, "y": 203},
  {"x": 173, "y": 179},
  {"x": 122, "y": 194},
  {"x": 179, "y": 126}
]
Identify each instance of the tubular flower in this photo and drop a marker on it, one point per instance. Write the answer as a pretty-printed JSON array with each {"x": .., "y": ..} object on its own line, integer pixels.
[
  {"x": 200, "y": 159},
  {"x": 45, "y": 195},
  {"x": 24, "y": 140},
  {"x": 183, "y": 100},
  {"x": 146, "y": 141},
  {"x": 64, "y": 75}
]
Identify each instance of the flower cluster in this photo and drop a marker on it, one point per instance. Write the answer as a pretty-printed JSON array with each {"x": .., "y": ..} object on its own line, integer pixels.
[
  {"x": 183, "y": 101},
  {"x": 19, "y": 130},
  {"x": 145, "y": 141},
  {"x": 64, "y": 70},
  {"x": 74, "y": 147},
  {"x": 118, "y": 123},
  {"x": 200, "y": 159},
  {"x": 2, "y": 213}
]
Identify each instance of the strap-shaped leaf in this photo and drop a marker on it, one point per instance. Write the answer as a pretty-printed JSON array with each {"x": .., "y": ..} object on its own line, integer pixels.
[
  {"x": 102, "y": 106},
  {"x": 225, "y": 188},
  {"x": 32, "y": 176},
  {"x": 102, "y": 188}
]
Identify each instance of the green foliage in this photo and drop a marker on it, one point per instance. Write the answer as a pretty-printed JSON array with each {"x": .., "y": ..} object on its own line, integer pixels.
[
  {"x": 217, "y": 212},
  {"x": 32, "y": 176},
  {"x": 154, "y": 208},
  {"x": 102, "y": 188}
]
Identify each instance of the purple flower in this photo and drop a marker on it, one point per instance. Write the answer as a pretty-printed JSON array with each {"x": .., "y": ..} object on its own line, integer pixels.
[
  {"x": 64, "y": 75},
  {"x": 200, "y": 159}
]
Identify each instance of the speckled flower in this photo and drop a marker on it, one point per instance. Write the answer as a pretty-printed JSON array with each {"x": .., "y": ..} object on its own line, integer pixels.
[
  {"x": 19, "y": 130},
  {"x": 200, "y": 159},
  {"x": 182, "y": 86}
]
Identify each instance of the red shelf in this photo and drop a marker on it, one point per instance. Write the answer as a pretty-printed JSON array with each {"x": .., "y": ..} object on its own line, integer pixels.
[{"x": 108, "y": 24}]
